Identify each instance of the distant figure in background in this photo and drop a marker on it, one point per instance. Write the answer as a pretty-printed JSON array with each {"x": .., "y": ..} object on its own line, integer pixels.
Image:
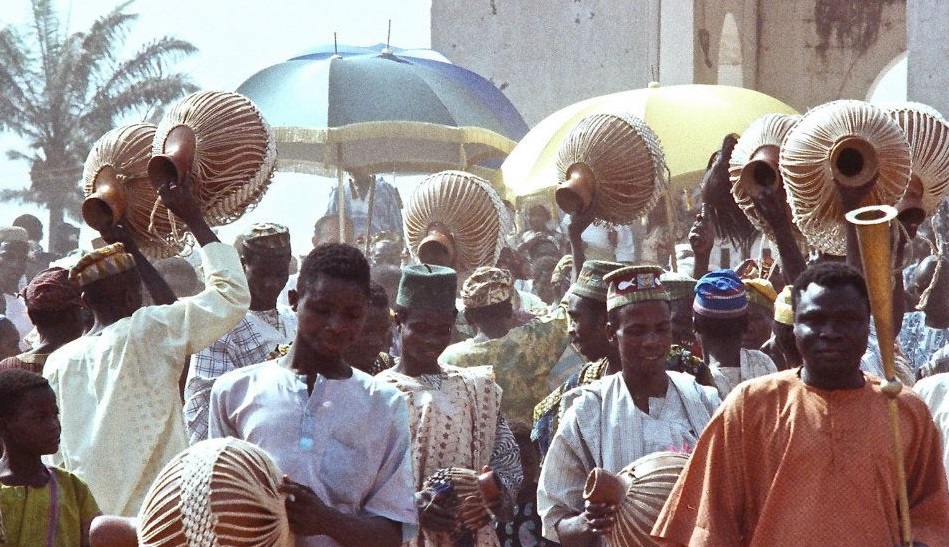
[
  {"x": 9, "y": 339},
  {"x": 14, "y": 257},
  {"x": 265, "y": 257},
  {"x": 39, "y": 259},
  {"x": 761, "y": 296},
  {"x": 540, "y": 231},
  {"x": 781, "y": 347},
  {"x": 541, "y": 285},
  {"x": 64, "y": 240},
  {"x": 386, "y": 205},
  {"x": 55, "y": 307},
  {"x": 370, "y": 351}
]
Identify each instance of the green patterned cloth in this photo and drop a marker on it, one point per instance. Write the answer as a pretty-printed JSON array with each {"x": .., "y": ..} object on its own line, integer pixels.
[{"x": 522, "y": 360}]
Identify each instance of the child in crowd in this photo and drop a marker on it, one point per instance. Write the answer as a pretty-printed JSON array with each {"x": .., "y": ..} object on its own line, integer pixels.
[{"x": 39, "y": 505}]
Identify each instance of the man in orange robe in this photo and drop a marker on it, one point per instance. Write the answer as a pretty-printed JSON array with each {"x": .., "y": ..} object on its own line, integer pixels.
[{"x": 805, "y": 456}]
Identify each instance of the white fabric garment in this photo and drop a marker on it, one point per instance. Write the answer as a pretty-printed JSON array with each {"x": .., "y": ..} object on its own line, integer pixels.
[
  {"x": 754, "y": 363},
  {"x": 117, "y": 390},
  {"x": 604, "y": 428},
  {"x": 349, "y": 440},
  {"x": 934, "y": 390},
  {"x": 16, "y": 313}
]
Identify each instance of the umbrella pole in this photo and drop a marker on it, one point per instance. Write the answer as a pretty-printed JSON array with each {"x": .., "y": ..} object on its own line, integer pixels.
[
  {"x": 372, "y": 201},
  {"x": 340, "y": 193},
  {"x": 673, "y": 228}
]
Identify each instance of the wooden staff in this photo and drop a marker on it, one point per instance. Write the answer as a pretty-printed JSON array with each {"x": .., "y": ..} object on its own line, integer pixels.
[{"x": 873, "y": 232}]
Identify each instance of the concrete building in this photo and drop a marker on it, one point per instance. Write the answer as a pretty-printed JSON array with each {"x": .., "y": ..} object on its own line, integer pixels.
[{"x": 546, "y": 55}]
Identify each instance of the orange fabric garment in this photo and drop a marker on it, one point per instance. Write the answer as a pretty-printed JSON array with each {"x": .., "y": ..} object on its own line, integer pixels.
[{"x": 782, "y": 463}]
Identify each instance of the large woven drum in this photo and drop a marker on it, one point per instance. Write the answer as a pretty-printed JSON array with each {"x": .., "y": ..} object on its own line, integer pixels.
[
  {"x": 116, "y": 172},
  {"x": 234, "y": 151},
  {"x": 626, "y": 160},
  {"x": 217, "y": 492},
  {"x": 468, "y": 207},
  {"x": 928, "y": 137},
  {"x": 754, "y": 160},
  {"x": 812, "y": 163},
  {"x": 650, "y": 480}
]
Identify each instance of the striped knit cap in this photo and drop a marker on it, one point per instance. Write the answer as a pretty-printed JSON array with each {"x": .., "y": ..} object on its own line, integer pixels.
[{"x": 720, "y": 295}]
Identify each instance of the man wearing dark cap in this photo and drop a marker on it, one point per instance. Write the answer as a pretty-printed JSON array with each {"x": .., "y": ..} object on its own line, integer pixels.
[
  {"x": 14, "y": 258},
  {"x": 454, "y": 413},
  {"x": 522, "y": 356},
  {"x": 643, "y": 409},
  {"x": 265, "y": 256},
  {"x": 53, "y": 303},
  {"x": 720, "y": 311}
]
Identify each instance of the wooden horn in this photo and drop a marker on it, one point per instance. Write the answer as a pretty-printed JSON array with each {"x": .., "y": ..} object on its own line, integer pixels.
[
  {"x": 438, "y": 247},
  {"x": 873, "y": 232},
  {"x": 853, "y": 161},
  {"x": 761, "y": 172},
  {"x": 605, "y": 487},
  {"x": 105, "y": 207},
  {"x": 575, "y": 194},
  {"x": 175, "y": 163}
]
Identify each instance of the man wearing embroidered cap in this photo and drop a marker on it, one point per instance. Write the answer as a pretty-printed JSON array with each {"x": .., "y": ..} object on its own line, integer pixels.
[
  {"x": 14, "y": 258},
  {"x": 638, "y": 411},
  {"x": 454, "y": 413},
  {"x": 523, "y": 356},
  {"x": 54, "y": 305},
  {"x": 720, "y": 313},
  {"x": 117, "y": 386},
  {"x": 265, "y": 256}
]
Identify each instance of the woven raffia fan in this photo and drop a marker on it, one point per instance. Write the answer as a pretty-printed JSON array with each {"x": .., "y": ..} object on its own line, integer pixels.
[
  {"x": 222, "y": 140},
  {"x": 217, "y": 492},
  {"x": 613, "y": 163},
  {"x": 845, "y": 142},
  {"x": 753, "y": 167},
  {"x": 928, "y": 137},
  {"x": 115, "y": 182},
  {"x": 461, "y": 213}
]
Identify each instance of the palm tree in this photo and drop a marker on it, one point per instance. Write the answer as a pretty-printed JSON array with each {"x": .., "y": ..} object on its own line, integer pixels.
[{"x": 61, "y": 92}]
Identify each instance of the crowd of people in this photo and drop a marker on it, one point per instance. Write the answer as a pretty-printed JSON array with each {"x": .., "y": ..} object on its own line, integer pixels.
[{"x": 366, "y": 398}]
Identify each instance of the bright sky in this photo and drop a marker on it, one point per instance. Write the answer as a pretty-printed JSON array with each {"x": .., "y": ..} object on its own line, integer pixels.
[{"x": 234, "y": 43}]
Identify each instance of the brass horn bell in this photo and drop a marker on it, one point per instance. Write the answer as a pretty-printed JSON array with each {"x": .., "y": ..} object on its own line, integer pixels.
[{"x": 761, "y": 172}]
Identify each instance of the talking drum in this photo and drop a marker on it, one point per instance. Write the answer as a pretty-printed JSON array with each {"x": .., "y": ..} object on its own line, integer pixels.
[
  {"x": 639, "y": 491},
  {"x": 221, "y": 140},
  {"x": 753, "y": 168},
  {"x": 612, "y": 163},
  {"x": 846, "y": 143},
  {"x": 454, "y": 485},
  {"x": 217, "y": 492},
  {"x": 115, "y": 182},
  {"x": 456, "y": 219}
]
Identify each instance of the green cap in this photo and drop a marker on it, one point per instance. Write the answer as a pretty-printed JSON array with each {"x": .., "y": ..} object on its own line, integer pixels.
[
  {"x": 680, "y": 286},
  {"x": 590, "y": 283},
  {"x": 426, "y": 286}
]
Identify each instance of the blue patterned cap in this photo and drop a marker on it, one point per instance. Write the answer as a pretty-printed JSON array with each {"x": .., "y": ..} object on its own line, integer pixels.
[{"x": 720, "y": 295}]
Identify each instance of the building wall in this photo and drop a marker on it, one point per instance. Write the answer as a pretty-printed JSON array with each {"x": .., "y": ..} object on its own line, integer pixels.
[{"x": 546, "y": 55}]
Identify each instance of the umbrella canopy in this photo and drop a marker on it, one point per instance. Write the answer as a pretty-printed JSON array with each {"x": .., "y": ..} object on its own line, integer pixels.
[
  {"x": 690, "y": 120},
  {"x": 355, "y": 109}
]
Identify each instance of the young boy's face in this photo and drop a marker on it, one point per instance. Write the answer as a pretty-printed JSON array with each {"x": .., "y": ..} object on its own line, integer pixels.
[
  {"x": 330, "y": 315},
  {"x": 34, "y": 427}
]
